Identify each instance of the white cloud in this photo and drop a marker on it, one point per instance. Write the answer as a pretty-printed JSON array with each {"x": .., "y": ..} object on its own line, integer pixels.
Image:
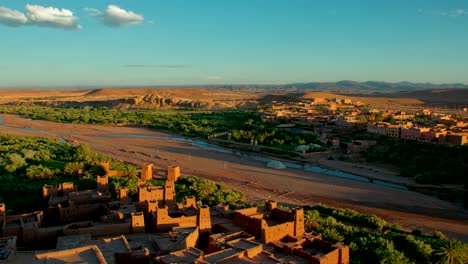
[
  {"x": 91, "y": 10},
  {"x": 454, "y": 13},
  {"x": 449, "y": 13},
  {"x": 115, "y": 16},
  {"x": 12, "y": 18},
  {"x": 51, "y": 17},
  {"x": 458, "y": 12}
]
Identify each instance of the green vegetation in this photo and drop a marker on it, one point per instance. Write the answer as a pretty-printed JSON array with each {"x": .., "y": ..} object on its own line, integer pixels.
[
  {"x": 206, "y": 192},
  {"x": 372, "y": 240},
  {"x": 428, "y": 163},
  {"x": 190, "y": 124},
  {"x": 266, "y": 135},
  {"x": 245, "y": 125},
  {"x": 27, "y": 163}
]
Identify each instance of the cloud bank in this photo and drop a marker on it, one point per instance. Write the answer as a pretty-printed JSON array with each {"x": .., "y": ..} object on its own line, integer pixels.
[
  {"x": 115, "y": 16},
  {"x": 12, "y": 18},
  {"x": 39, "y": 16},
  {"x": 51, "y": 17},
  {"x": 449, "y": 13},
  {"x": 455, "y": 13}
]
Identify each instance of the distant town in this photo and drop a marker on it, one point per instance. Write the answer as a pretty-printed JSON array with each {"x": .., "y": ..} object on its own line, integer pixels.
[{"x": 425, "y": 125}]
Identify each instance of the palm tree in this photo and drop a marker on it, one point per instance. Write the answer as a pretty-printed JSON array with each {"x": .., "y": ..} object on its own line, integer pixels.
[
  {"x": 311, "y": 218},
  {"x": 451, "y": 251}
]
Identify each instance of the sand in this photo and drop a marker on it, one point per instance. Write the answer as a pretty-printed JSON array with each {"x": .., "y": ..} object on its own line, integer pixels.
[{"x": 411, "y": 209}]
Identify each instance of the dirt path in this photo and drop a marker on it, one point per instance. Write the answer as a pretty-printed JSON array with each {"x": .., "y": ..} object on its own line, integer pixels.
[{"x": 257, "y": 181}]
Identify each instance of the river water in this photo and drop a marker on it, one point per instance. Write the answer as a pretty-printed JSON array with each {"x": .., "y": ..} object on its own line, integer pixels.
[{"x": 212, "y": 147}]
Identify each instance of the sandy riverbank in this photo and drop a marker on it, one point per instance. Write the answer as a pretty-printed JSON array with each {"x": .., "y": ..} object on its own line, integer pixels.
[{"x": 256, "y": 180}]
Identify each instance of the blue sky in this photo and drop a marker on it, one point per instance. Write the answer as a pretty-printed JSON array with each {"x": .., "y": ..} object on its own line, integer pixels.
[{"x": 183, "y": 42}]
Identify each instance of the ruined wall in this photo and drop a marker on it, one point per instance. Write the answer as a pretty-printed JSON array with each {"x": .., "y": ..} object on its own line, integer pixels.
[
  {"x": 248, "y": 211},
  {"x": 23, "y": 226},
  {"x": 344, "y": 253},
  {"x": 164, "y": 222},
  {"x": 61, "y": 189},
  {"x": 74, "y": 213},
  {"x": 250, "y": 225},
  {"x": 98, "y": 230},
  {"x": 282, "y": 215},
  {"x": 152, "y": 206},
  {"x": 252, "y": 252},
  {"x": 192, "y": 239},
  {"x": 277, "y": 232},
  {"x": 88, "y": 197},
  {"x": 190, "y": 201},
  {"x": 151, "y": 193},
  {"x": 138, "y": 222},
  {"x": 334, "y": 252}
]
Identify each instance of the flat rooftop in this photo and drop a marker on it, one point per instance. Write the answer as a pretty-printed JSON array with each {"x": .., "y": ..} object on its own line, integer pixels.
[
  {"x": 243, "y": 244},
  {"x": 223, "y": 254},
  {"x": 184, "y": 256},
  {"x": 168, "y": 242},
  {"x": 68, "y": 242},
  {"x": 87, "y": 254}
]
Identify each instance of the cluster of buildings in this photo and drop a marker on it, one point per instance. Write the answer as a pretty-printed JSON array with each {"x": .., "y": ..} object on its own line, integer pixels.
[
  {"x": 438, "y": 128},
  {"x": 91, "y": 227},
  {"x": 313, "y": 110}
]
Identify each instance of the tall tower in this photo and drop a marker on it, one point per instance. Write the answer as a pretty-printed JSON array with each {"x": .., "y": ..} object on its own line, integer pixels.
[
  {"x": 106, "y": 166},
  {"x": 123, "y": 195},
  {"x": 270, "y": 205},
  {"x": 169, "y": 193},
  {"x": 147, "y": 172},
  {"x": 298, "y": 221},
  {"x": 102, "y": 183},
  {"x": 173, "y": 173},
  {"x": 204, "y": 218}
]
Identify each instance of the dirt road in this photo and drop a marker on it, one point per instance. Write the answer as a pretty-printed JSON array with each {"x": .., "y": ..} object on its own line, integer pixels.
[{"x": 411, "y": 209}]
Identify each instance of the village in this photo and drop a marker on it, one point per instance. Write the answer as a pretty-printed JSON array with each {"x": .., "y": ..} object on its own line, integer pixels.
[
  {"x": 88, "y": 226},
  {"x": 424, "y": 125}
]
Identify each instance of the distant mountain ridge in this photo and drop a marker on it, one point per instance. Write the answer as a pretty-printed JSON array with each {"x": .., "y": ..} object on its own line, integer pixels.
[{"x": 373, "y": 86}]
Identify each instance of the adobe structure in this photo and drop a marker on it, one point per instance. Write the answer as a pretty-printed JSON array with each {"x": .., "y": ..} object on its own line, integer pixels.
[
  {"x": 146, "y": 172},
  {"x": 187, "y": 215},
  {"x": 270, "y": 223},
  {"x": 90, "y": 227},
  {"x": 173, "y": 173}
]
